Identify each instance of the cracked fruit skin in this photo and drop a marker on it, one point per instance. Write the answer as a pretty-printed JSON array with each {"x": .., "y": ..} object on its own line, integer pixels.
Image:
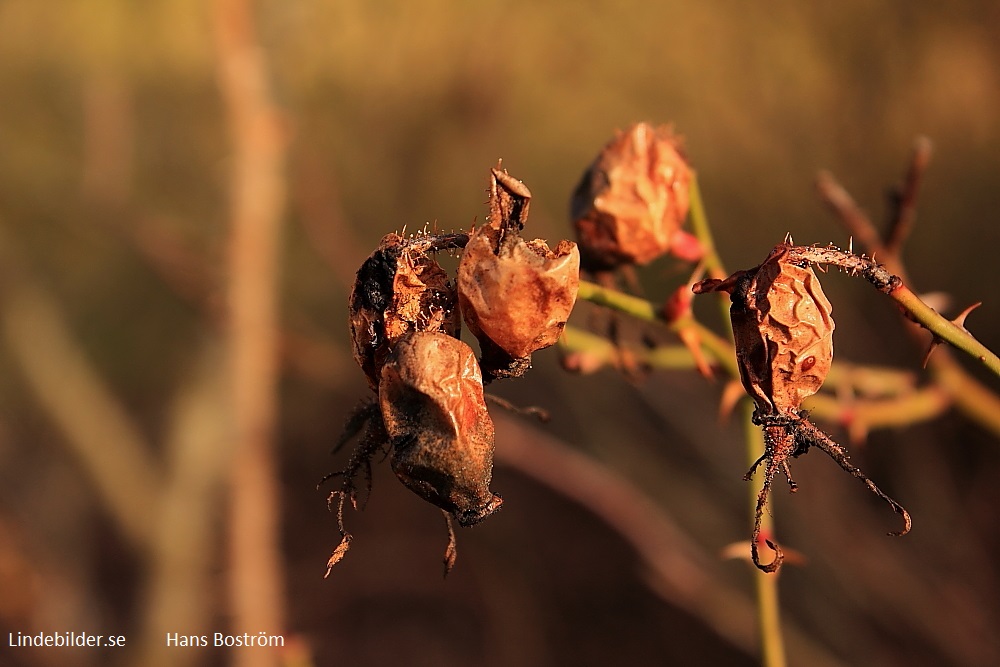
[{"x": 519, "y": 295}]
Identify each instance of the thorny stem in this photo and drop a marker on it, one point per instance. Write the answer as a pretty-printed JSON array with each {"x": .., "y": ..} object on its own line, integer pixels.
[
  {"x": 942, "y": 328},
  {"x": 970, "y": 397}
]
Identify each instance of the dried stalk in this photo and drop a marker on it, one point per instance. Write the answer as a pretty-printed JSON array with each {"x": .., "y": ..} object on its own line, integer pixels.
[
  {"x": 257, "y": 198},
  {"x": 97, "y": 427},
  {"x": 677, "y": 563}
]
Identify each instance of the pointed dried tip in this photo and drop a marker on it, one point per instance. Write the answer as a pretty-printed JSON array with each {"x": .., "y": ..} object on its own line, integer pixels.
[
  {"x": 907, "y": 521},
  {"x": 711, "y": 285},
  {"x": 511, "y": 184},
  {"x": 451, "y": 551},
  {"x": 338, "y": 553}
]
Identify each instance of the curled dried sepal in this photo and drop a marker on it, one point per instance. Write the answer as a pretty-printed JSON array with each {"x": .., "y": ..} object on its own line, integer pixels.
[
  {"x": 400, "y": 288},
  {"x": 783, "y": 329},
  {"x": 809, "y": 436},
  {"x": 515, "y": 295},
  {"x": 338, "y": 553},
  {"x": 631, "y": 202},
  {"x": 434, "y": 411}
]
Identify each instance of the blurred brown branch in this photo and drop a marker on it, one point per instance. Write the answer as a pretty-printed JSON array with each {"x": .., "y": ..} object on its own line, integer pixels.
[
  {"x": 97, "y": 427},
  {"x": 185, "y": 539},
  {"x": 678, "y": 565},
  {"x": 257, "y": 199}
]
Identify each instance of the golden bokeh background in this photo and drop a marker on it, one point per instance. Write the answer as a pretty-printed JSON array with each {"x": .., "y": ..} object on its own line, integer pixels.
[{"x": 116, "y": 162}]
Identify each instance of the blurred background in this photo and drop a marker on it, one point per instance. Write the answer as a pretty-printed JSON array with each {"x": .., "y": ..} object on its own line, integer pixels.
[{"x": 186, "y": 186}]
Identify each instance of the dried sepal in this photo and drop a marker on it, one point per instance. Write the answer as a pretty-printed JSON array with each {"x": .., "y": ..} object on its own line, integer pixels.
[
  {"x": 515, "y": 295},
  {"x": 338, "y": 553},
  {"x": 366, "y": 421},
  {"x": 450, "y": 551},
  {"x": 631, "y": 202},
  {"x": 434, "y": 412},
  {"x": 400, "y": 288}
]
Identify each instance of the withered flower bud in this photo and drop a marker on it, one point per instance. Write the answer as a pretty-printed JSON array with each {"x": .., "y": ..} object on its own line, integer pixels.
[
  {"x": 431, "y": 396},
  {"x": 631, "y": 202},
  {"x": 783, "y": 328},
  {"x": 400, "y": 288},
  {"x": 515, "y": 295}
]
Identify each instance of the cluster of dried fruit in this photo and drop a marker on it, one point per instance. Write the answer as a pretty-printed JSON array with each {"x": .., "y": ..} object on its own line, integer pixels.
[
  {"x": 405, "y": 319},
  {"x": 783, "y": 330},
  {"x": 515, "y": 296}
]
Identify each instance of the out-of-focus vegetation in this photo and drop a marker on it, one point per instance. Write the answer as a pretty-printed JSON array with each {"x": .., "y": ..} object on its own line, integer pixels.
[{"x": 115, "y": 159}]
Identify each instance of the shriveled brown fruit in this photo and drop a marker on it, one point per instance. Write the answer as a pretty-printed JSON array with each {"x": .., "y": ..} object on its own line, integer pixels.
[
  {"x": 783, "y": 332},
  {"x": 515, "y": 295},
  {"x": 783, "y": 329},
  {"x": 434, "y": 411},
  {"x": 400, "y": 288},
  {"x": 631, "y": 202}
]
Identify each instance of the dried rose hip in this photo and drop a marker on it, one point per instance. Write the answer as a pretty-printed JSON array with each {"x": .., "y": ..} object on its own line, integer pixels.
[
  {"x": 431, "y": 395},
  {"x": 631, "y": 202},
  {"x": 515, "y": 295},
  {"x": 783, "y": 331},
  {"x": 400, "y": 288},
  {"x": 783, "y": 327}
]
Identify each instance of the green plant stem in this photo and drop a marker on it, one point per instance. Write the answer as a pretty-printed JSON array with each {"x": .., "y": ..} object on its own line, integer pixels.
[
  {"x": 944, "y": 329},
  {"x": 766, "y": 586},
  {"x": 603, "y": 352},
  {"x": 699, "y": 225},
  {"x": 772, "y": 646},
  {"x": 703, "y": 232},
  {"x": 644, "y": 310}
]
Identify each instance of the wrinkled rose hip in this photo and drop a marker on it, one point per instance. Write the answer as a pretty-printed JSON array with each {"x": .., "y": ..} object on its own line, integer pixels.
[
  {"x": 630, "y": 204},
  {"x": 783, "y": 329}
]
